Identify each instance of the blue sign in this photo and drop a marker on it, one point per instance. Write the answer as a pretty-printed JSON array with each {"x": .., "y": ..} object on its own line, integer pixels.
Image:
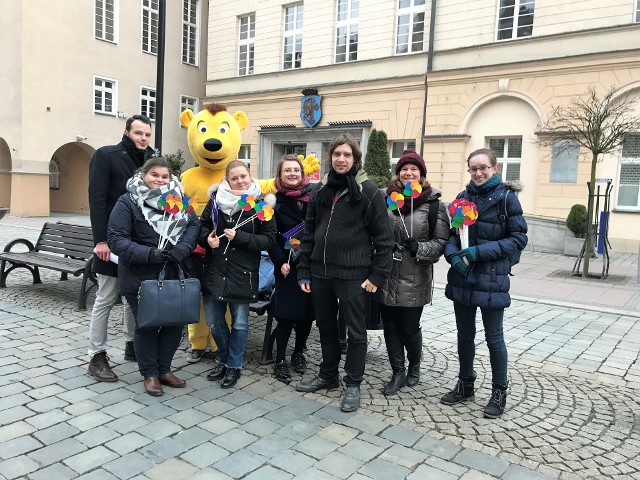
[{"x": 310, "y": 111}]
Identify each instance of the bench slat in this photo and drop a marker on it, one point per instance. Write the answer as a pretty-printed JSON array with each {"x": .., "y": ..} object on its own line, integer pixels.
[
  {"x": 60, "y": 264},
  {"x": 67, "y": 228},
  {"x": 60, "y": 244},
  {"x": 63, "y": 250}
]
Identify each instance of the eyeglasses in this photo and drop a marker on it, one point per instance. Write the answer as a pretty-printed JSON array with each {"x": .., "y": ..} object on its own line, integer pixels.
[{"x": 482, "y": 168}]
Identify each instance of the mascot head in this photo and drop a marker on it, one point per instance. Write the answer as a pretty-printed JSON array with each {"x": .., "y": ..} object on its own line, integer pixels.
[{"x": 214, "y": 135}]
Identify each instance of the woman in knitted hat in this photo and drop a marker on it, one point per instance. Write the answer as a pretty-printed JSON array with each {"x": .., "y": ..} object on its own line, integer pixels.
[{"x": 421, "y": 231}]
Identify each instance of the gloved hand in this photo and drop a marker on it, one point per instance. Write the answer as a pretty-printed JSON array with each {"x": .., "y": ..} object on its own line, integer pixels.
[
  {"x": 158, "y": 256},
  {"x": 470, "y": 254},
  {"x": 411, "y": 245},
  {"x": 458, "y": 264}
]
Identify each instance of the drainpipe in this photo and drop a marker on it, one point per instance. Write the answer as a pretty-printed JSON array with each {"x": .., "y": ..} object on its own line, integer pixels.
[{"x": 432, "y": 29}]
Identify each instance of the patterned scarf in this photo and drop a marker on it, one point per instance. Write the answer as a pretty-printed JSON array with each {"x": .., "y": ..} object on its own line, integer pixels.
[
  {"x": 147, "y": 199},
  {"x": 300, "y": 192},
  {"x": 397, "y": 186}
]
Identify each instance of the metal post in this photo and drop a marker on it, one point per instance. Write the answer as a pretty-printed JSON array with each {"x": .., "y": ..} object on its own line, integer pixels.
[{"x": 162, "y": 14}]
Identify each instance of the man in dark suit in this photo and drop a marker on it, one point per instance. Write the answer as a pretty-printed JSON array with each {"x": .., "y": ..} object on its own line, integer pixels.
[{"x": 109, "y": 170}]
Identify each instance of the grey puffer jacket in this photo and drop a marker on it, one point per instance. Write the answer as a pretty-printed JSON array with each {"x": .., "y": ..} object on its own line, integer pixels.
[{"x": 411, "y": 281}]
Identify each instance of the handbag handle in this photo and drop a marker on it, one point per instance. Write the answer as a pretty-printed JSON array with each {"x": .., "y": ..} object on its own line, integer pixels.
[{"x": 162, "y": 274}]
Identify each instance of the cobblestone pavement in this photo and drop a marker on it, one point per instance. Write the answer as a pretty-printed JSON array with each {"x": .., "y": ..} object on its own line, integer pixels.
[{"x": 572, "y": 410}]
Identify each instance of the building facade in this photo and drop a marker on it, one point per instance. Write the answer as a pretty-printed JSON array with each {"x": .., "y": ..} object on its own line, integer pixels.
[
  {"x": 442, "y": 76},
  {"x": 71, "y": 72}
]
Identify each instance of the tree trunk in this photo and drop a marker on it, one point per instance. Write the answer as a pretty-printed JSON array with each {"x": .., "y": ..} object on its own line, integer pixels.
[{"x": 588, "y": 244}]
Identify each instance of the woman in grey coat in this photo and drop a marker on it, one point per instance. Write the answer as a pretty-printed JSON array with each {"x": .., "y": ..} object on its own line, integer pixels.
[{"x": 421, "y": 233}]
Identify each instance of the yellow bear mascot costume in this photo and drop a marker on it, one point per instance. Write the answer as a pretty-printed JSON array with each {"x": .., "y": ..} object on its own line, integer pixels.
[{"x": 214, "y": 140}]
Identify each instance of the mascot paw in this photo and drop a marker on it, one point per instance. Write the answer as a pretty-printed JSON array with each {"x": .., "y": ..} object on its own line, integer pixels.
[{"x": 310, "y": 164}]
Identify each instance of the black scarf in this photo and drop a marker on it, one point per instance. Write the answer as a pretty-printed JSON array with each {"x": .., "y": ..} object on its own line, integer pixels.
[
  {"x": 337, "y": 183},
  {"x": 138, "y": 156}
]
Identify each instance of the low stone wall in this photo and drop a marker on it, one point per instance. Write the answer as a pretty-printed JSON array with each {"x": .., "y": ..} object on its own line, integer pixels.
[{"x": 546, "y": 234}]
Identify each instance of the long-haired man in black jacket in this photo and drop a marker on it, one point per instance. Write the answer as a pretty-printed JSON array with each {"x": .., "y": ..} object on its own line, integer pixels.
[{"x": 346, "y": 250}]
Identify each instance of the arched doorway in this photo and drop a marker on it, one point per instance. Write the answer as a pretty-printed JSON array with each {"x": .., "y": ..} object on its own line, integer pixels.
[
  {"x": 69, "y": 178},
  {"x": 5, "y": 174}
]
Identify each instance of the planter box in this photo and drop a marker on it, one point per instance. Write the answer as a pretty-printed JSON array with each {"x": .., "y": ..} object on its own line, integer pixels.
[{"x": 572, "y": 246}]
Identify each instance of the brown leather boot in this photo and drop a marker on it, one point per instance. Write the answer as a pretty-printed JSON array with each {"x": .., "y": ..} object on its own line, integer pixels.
[
  {"x": 152, "y": 386},
  {"x": 170, "y": 380},
  {"x": 100, "y": 370}
]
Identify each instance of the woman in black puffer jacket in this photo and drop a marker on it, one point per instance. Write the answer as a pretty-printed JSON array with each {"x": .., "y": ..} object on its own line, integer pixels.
[
  {"x": 479, "y": 275},
  {"x": 134, "y": 231}
]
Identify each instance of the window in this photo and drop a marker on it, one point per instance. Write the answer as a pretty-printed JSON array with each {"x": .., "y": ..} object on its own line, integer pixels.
[
  {"x": 515, "y": 18},
  {"x": 399, "y": 146},
  {"x": 148, "y": 102},
  {"x": 292, "y": 57},
  {"x": 54, "y": 174},
  {"x": 188, "y": 102},
  {"x": 509, "y": 154},
  {"x": 638, "y": 11},
  {"x": 244, "y": 154},
  {"x": 629, "y": 191},
  {"x": 190, "y": 32},
  {"x": 410, "y": 32},
  {"x": 246, "y": 44},
  {"x": 104, "y": 95},
  {"x": 150, "y": 15},
  {"x": 564, "y": 162},
  {"x": 106, "y": 20},
  {"x": 347, "y": 30}
]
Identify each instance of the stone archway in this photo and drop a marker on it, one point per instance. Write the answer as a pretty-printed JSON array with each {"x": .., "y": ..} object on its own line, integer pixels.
[
  {"x": 5, "y": 174},
  {"x": 68, "y": 189}
]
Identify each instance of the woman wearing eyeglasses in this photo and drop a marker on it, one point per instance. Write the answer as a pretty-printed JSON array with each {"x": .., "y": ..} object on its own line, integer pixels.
[{"x": 479, "y": 276}]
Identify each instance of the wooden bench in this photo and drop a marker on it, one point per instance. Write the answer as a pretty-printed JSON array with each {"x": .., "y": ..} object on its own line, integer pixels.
[
  {"x": 62, "y": 247},
  {"x": 260, "y": 308}
]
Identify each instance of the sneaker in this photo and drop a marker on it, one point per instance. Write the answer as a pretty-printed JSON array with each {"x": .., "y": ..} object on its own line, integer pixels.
[
  {"x": 298, "y": 362},
  {"x": 281, "y": 371},
  {"x": 129, "y": 352},
  {"x": 496, "y": 404},
  {"x": 195, "y": 355},
  {"x": 100, "y": 370},
  {"x": 463, "y": 391}
]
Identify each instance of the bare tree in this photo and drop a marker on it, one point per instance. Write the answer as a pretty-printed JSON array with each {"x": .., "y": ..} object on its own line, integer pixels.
[{"x": 598, "y": 124}]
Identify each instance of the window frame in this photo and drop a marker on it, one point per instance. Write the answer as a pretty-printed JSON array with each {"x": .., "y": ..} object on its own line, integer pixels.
[
  {"x": 246, "y": 148},
  {"x": 146, "y": 6},
  {"x": 627, "y": 161},
  {"x": 516, "y": 19},
  {"x": 411, "y": 11},
  {"x": 249, "y": 43},
  {"x": 116, "y": 13},
  {"x": 637, "y": 12},
  {"x": 150, "y": 99},
  {"x": 191, "y": 25},
  {"x": 406, "y": 145},
  {"x": 294, "y": 34},
  {"x": 54, "y": 176},
  {"x": 503, "y": 161},
  {"x": 114, "y": 91},
  {"x": 347, "y": 24},
  {"x": 184, "y": 104}
]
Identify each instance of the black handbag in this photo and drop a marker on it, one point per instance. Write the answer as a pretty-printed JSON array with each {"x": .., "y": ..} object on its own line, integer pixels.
[{"x": 168, "y": 303}]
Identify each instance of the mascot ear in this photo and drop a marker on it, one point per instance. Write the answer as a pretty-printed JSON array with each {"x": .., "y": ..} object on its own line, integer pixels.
[
  {"x": 242, "y": 119},
  {"x": 186, "y": 117}
]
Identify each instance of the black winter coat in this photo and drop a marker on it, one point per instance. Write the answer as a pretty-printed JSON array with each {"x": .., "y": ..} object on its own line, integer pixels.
[
  {"x": 109, "y": 170},
  {"x": 499, "y": 241},
  {"x": 290, "y": 301},
  {"x": 133, "y": 239},
  {"x": 233, "y": 276}
]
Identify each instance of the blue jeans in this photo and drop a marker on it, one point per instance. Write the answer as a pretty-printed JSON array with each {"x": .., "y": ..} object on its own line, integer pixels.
[
  {"x": 231, "y": 343},
  {"x": 494, "y": 335}
]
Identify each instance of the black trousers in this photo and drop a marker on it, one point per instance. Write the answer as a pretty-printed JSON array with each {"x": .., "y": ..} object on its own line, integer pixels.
[
  {"x": 403, "y": 320},
  {"x": 154, "y": 347},
  {"x": 326, "y": 293}
]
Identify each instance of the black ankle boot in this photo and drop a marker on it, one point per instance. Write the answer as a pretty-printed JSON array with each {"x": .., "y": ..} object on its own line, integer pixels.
[
  {"x": 497, "y": 402},
  {"x": 413, "y": 345},
  {"x": 398, "y": 380},
  {"x": 463, "y": 391}
]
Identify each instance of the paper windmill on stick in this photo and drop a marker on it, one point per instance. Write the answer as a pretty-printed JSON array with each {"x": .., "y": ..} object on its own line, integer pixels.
[
  {"x": 264, "y": 212},
  {"x": 395, "y": 201},
  {"x": 463, "y": 214},
  {"x": 291, "y": 243},
  {"x": 172, "y": 205},
  {"x": 413, "y": 190}
]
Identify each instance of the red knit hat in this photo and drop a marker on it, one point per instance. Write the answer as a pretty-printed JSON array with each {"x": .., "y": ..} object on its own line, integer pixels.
[{"x": 410, "y": 156}]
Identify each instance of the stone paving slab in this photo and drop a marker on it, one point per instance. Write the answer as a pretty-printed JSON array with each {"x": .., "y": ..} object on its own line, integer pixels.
[{"x": 572, "y": 408}]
